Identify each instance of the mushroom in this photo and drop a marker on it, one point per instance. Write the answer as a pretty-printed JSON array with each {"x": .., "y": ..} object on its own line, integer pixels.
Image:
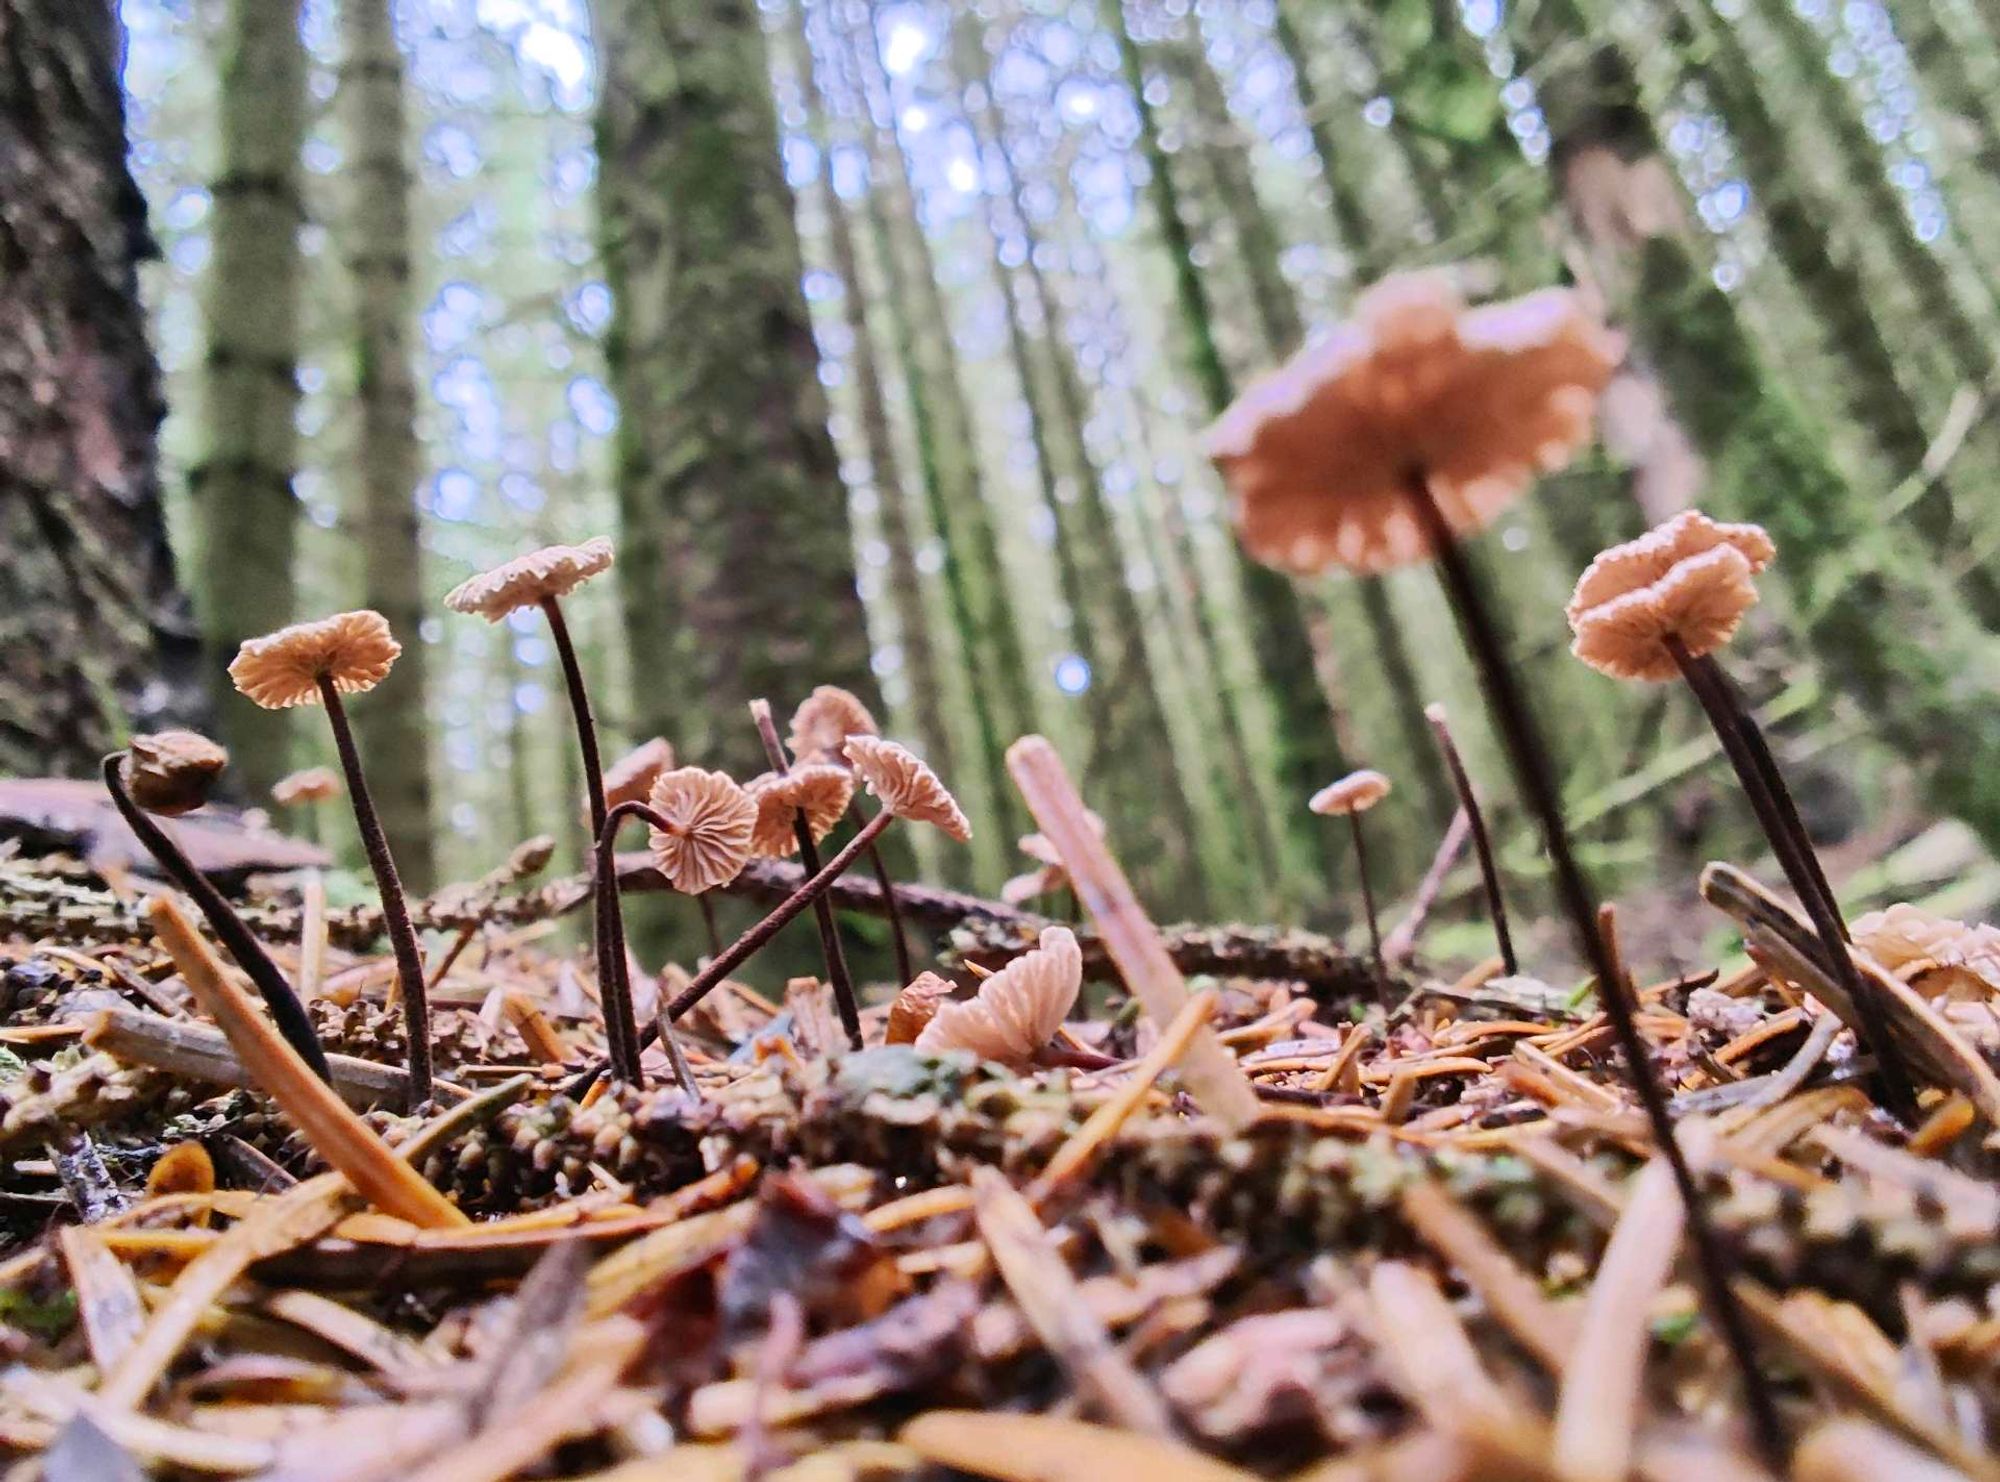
[
  {"x": 820, "y": 729},
  {"x": 1482, "y": 844},
  {"x": 1018, "y": 1009},
  {"x": 701, "y": 826},
  {"x": 316, "y": 663},
  {"x": 1659, "y": 607},
  {"x": 632, "y": 775},
  {"x": 907, "y": 788},
  {"x": 542, "y": 579},
  {"x": 306, "y": 789},
  {"x": 1050, "y": 874},
  {"x": 1349, "y": 798},
  {"x": 914, "y": 1007},
  {"x": 1387, "y": 442},
  {"x": 161, "y": 773}
]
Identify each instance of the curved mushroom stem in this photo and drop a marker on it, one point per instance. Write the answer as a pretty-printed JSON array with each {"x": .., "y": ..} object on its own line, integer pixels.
[
  {"x": 829, "y": 933},
  {"x": 614, "y": 977},
  {"x": 1535, "y": 777},
  {"x": 1368, "y": 904},
  {"x": 752, "y": 941},
  {"x": 579, "y": 709},
  {"x": 1757, "y": 772},
  {"x": 1482, "y": 845},
  {"x": 288, "y": 1014},
  {"x": 395, "y": 907}
]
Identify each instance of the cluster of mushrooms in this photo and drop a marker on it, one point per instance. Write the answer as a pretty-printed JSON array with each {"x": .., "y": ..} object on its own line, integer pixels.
[{"x": 1388, "y": 442}]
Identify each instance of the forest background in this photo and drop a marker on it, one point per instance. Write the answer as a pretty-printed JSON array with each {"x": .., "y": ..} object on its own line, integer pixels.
[{"x": 880, "y": 334}]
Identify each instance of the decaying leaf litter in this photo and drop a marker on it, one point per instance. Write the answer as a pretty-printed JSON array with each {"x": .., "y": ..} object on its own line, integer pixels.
[{"x": 502, "y": 1210}]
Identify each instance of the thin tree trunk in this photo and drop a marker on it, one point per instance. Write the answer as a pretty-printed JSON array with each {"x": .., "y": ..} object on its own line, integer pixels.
[
  {"x": 95, "y": 637},
  {"x": 738, "y": 575},
  {"x": 1307, "y": 749},
  {"x": 243, "y": 483}
]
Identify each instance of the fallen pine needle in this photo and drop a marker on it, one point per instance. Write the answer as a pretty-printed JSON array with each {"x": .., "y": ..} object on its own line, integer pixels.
[
  {"x": 1511, "y": 1295},
  {"x": 1430, "y": 1354},
  {"x": 107, "y": 1298},
  {"x": 336, "y": 1133},
  {"x": 1046, "y": 1448}
]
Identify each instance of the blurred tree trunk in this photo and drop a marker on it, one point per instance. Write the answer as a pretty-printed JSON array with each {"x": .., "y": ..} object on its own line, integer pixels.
[
  {"x": 738, "y": 561},
  {"x": 1306, "y": 745},
  {"x": 1886, "y": 629},
  {"x": 391, "y": 722},
  {"x": 243, "y": 483},
  {"x": 95, "y": 637}
]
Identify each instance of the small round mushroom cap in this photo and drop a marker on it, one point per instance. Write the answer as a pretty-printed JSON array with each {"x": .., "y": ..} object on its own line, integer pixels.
[
  {"x": 353, "y": 650},
  {"x": 1018, "y": 1009},
  {"x": 307, "y": 785},
  {"x": 709, "y": 823},
  {"x": 1688, "y": 579},
  {"x": 526, "y": 581},
  {"x": 819, "y": 790},
  {"x": 1478, "y": 401},
  {"x": 631, "y": 777},
  {"x": 906, "y": 786},
  {"x": 824, "y": 721},
  {"x": 1357, "y": 792},
  {"x": 172, "y": 772},
  {"x": 1963, "y": 958}
]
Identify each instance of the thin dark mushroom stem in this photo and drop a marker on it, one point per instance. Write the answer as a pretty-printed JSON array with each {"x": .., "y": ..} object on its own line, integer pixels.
[
  {"x": 709, "y": 924},
  {"x": 287, "y": 1013},
  {"x": 1757, "y": 772},
  {"x": 1533, "y": 774},
  {"x": 752, "y": 941},
  {"x": 1368, "y": 903},
  {"x": 829, "y": 931},
  {"x": 579, "y": 709},
  {"x": 1482, "y": 844},
  {"x": 906, "y": 971},
  {"x": 395, "y": 906}
]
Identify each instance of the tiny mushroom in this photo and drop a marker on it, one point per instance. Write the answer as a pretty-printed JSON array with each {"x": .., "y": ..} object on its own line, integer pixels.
[
  {"x": 1349, "y": 798},
  {"x": 317, "y": 663},
  {"x": 819, "y": 790},
  {"x": 1017, "y": 1010},
  {"x": 308, "y": 785},
  {"x": 631, "y": 777},
  {"x": 906, "y": 786},
  {"x": 1050, "y": 875},
  {"x": 173, "y": 772}
]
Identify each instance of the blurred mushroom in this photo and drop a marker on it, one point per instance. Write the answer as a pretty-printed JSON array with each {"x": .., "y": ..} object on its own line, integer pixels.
[
  {"x": 1349, "y": 798},
  {"x": 631, "y": 776},
  {"x": 318, "y": 662},
  {"x": 1018, "y": 1009},
  {"x": 1051, "y": 875},
  {"x": 306, "y": 790},
  {"x": 1659, "y": 607},
  {"x": 914, "y": 1007},
  {"x": 172, "y": 772},
  {"x": 1954, "y": 958}
]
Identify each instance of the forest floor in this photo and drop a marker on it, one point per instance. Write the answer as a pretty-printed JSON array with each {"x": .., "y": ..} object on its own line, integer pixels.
[{"x": 835, "y": 1263}]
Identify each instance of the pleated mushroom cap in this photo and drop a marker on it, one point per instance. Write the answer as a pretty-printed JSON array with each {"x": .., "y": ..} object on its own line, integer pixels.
[
  {"x": 1688, "y": 579},
  {"x": 1018, "y": 1009},
  {"x": 353, "y": 650},
  {"x": 819, "y": 790},
  {"x": 526, "y": 581},
  {"x": 172, "y": 772},
  {"x": 307, "y": 785},
  {"x": 709, "y": 824},
  {"x": 906, "y": 786},
  {"x": 1357, "y": 792},
  {"x": 824, "y": 721},
  {"x": 1320, "y": 452},
  {"x": 632, "y": 776}
]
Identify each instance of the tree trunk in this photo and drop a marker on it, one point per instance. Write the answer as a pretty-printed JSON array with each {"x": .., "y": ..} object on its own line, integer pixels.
[
  {"x": 243, "y": 483},
  {"x": 1307, "y": 749},
  {"x": 391, "y": 722},
  {"x": 95, "y": 637},
  {"x": 738, "y": 561}
]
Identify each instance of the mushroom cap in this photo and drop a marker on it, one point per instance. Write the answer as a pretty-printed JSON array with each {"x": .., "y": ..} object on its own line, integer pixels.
[
  {"x": 1042, "y": 848},
  {"x": 1357, "y": 792},
  {"x": 1688, "y": 579},
  {"x": 914, "y": 1008},
  {"x": 632, "y": 776},
  {"x": 1319, "y": 453},
  {"x": 1018, "y": 1009},
  {"x": 819, "y": 790},
  {"x": 525, "y": 581},
  {"x": 824, "y": 721},
  {"x": 1968, "y": 954},
  {"x": 354, "y": 650},
  {"x": 710, "y": 823},
  {"x": 307, "y": 785},
  {"x": 907, "y": 787},
  {"x": 172, "y": 772}
]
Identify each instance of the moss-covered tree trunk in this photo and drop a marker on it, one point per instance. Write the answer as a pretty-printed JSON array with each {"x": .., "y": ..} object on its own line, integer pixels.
[
  {"x": 738, "y": 564},
  {"x": 394, "y": 734},
  {"x": 95, "y": 638},
  {"x": 1306, "y": 745},
  {"x": 1886, "y": 628},
  {"x": 243, "y": 483}
]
